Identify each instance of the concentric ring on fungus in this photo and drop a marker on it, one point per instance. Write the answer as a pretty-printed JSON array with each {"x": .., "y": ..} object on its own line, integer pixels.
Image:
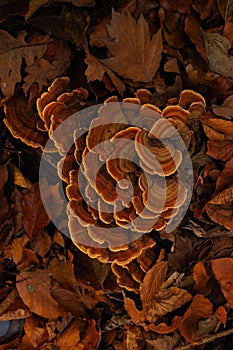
[{"x": 123, "y": 167}]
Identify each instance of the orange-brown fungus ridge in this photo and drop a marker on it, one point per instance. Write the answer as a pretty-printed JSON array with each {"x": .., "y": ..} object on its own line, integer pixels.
[{"x": 155, "y": 200}]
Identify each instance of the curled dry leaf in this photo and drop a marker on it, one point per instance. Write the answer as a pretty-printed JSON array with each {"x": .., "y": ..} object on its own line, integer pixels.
[
  {"x": 153, "y": 281},
  {"x": 226, "y": 109},
  {"x": 200, "y": 308},
  {"x": 224, "y": 179},
  {"x": 35, "y": 217},
  {"x": 36, "y": 331},
  {"x": 135, "y": 56},
  {"x": 201, "y": 278},
  {"x": 220, "y": 210},
  {"x": 165, "y": 301},
  {"x": 223, "y": 271},
  {"x": 217, "y": 47},
  {"x": 12, "y": 52},
  {"x": 221, "y": 314},
  {"x": 79, "y": 334}
]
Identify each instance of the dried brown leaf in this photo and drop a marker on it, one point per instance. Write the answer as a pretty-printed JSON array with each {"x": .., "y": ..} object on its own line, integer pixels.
[
  {"x": 135, "y": 56},
  {"x": 217, "y": 47},
  {"x": 224, "y": 179},
  {"x": 221, "y": 314},
  {"x": 35, "y": 218},
  {"x": 12, "y": 52},
  {"x": 220, "y": 149},
  {"x": 166, "y": 300},
  {"x": 79, "y": 335},
  {"x": 96, "y": 70},
  {"x": 223, "y": 270},
  {"x": 201, "y": 278},
  {"x": 34, "y": 5},
  {"x": 36, "y": 331},
  {"x": 182, "y": 6},
  {"x": 200, "y": 308},
  {"x": 166, "y": 342},
  {"x": 136, "y": 315},
  {"x": 225, "y": 8},
  {"x": 153, "y": 281},
  {"x": 34, "y": 290},
  {"x": 226, "y": 109},
  {"x": 220, "y": 210}
]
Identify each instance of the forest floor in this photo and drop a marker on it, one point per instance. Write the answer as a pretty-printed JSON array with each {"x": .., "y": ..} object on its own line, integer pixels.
[{"x": 168, "y": 289}]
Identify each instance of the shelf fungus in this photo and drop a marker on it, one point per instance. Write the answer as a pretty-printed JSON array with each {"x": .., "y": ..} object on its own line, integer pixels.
[{"x": 121, "y": 166}]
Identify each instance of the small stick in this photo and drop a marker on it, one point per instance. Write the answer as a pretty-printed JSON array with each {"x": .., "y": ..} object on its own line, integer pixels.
[{"x": 205, "y": 340}]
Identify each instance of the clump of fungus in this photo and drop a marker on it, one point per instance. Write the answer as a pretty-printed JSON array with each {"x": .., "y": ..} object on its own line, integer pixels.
[{"x": 125, "y": 199}]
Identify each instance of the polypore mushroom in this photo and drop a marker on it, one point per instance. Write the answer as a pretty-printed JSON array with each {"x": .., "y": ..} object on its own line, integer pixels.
[{"x": 121, "y": 173}]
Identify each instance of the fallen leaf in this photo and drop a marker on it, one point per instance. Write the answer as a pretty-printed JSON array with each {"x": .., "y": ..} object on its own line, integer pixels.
[
  {"x": 220, "y": 210},
  {"x": 136, "y": 315},
  {"x": 44, "y": 70},
  {"x": 224, "y": 179},
  {"x": 36, "y": 331},
  {"x": 99, "y": 33},
  {"x": 225, "y": 8},
  {"x": 222, "y": 150},
  {"x": 200, "y": 308},
  {"x": 75, "y": 23},
  {"x": 165, "y": 301},
  {"x": 79, "y": 334},
  {"x": 217, "y": 47},
  {"x": 226, "y": 109},
  {"x": 96, "y": 70},
  {"x": 221, "y": 314},
  {"x": 194, "y": 32},
  {"x": 34, "y": 290},
  {"x": 35, "y": 218},
  {"x": 34, "y": 5},
  {"x": 135, "y": 56},
  {"x": 223, "y": 271},
  {"x": 152, "y": 281},
  {"x": 201, "y": 278},
  {"x": 182, "y": 6},
  {"x": 166, "y": 342},
  {"x": 12, "y": 52}
]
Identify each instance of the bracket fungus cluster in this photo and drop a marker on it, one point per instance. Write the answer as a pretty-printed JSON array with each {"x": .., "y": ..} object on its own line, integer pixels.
[{"x": 121, "y": 171}]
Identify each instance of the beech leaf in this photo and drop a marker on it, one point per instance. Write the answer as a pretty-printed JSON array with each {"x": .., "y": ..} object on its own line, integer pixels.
[
  {"x": 12, "y": 52},
  {"x": 35, "y": 218},
  {"x": 223, "y": 270},
  {"x": 166, "y": 300},
  {"x": 153, "y": 281},
  {"x": 135, "y": 55},
  {"x": 217, "y": 47}
]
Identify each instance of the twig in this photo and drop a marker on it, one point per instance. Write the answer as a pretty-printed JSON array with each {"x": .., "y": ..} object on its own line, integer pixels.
[{"x": 205, "y": 340}]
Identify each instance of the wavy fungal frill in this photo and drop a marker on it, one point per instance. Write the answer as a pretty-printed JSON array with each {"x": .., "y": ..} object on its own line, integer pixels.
[{"x": 121, "y": 172}]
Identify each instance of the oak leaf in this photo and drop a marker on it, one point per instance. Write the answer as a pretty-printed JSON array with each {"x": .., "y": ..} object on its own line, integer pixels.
[
  {"x": 96, "y": 70},
  {"x": 223, "y": 270},
  {"x": 12, "y": 52},
  {"x": 43, "y": 72},
  {"x": 135, "y": 55}
]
